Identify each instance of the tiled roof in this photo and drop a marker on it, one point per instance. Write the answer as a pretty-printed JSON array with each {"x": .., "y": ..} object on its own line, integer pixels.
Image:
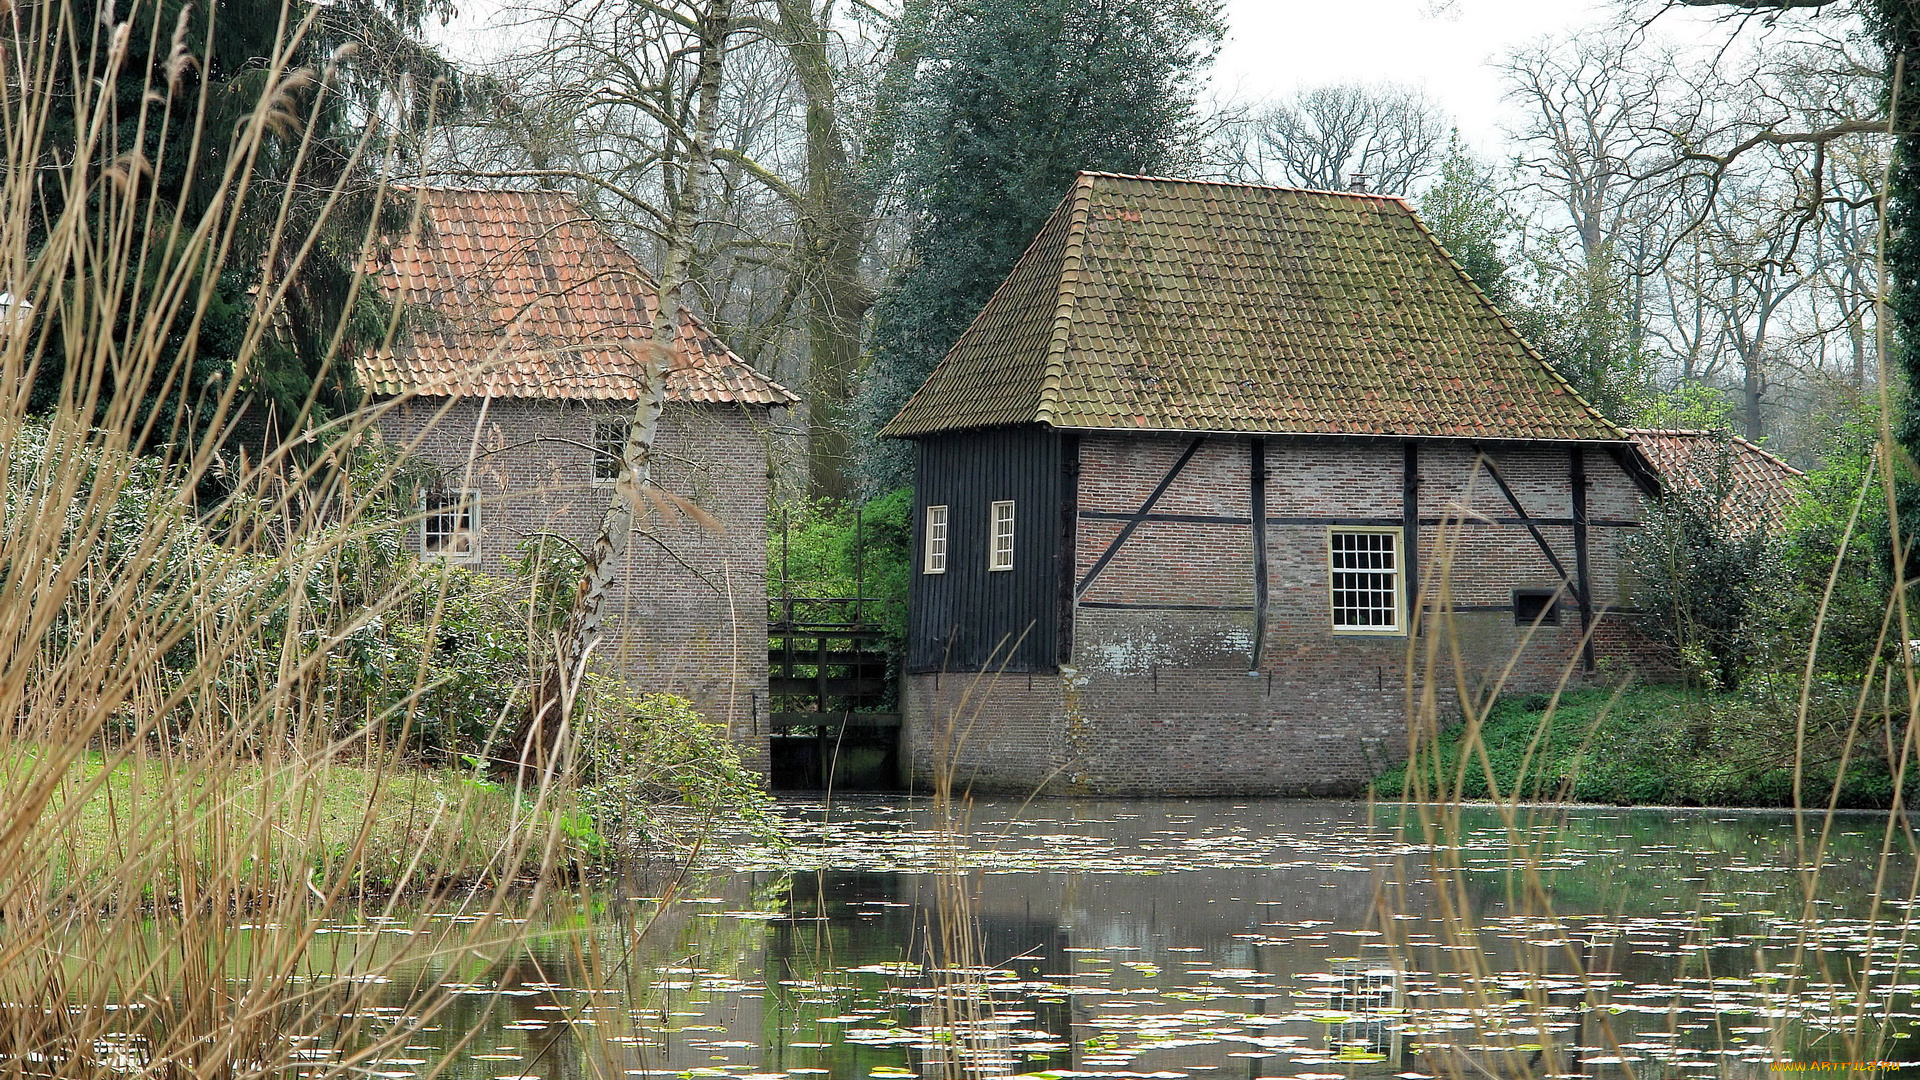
[
  {"x": 520, "y": 294},
  {"x": 1181, "y": 305},
  {"x": 1755, "y": 487}
]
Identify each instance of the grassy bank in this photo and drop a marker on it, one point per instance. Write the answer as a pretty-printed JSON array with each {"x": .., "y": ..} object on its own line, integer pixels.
[
  {"x": 1661, "y": 745},
  {"x": 293, "y": 821}
]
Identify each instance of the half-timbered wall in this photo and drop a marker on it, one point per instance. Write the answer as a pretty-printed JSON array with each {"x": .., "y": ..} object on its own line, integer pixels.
[
  {"x": 687, "y": 611},
  {"x": 1201, "y": 655}
]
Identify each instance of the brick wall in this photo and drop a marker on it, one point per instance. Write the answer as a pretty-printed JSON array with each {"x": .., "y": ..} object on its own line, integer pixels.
[
  {"x": 1165, "y": 696},
  {"x": 687, "y": 611}
]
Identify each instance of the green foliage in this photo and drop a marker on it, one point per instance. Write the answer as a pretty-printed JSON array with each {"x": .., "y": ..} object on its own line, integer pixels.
[
  {"x": 645, "y": 753},
  {"x": 1690, "y": 406},
  {"x": 1710, "y": 578},
  {"x": 1816, "y": 531},
  {"x": 1582, "y": 321},
  {"x": 823, "y": 551},
  {"x": 1895, "y": 26},
  {"x": 185, "y": 79},
  {"x": 1012, "y": 99},
  {"x": 1661, "y": 745},
  {"x": 432, "y": 653},
  {"x": 1469, "y": 215}
]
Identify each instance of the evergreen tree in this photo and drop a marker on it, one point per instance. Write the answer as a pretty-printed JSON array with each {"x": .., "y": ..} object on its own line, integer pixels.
[
  {"x": 1013, "y": 99},
  {"x": 1896, "y": 26},
  {"x": 180, "y": 93},
  {"x": 1470, "y": 218}
]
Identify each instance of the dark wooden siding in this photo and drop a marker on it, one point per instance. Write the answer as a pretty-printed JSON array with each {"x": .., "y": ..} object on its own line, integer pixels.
[{"x": 967, "y": 618}]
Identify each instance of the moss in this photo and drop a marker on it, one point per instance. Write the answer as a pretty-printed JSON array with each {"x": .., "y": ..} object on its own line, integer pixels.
[{"x": 1660, "y": 745}]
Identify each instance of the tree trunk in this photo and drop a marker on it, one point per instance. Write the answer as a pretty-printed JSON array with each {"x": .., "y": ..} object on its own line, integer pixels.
[
  {"x": 836, "y": 224},
  {"x": 540, "y": 743}
]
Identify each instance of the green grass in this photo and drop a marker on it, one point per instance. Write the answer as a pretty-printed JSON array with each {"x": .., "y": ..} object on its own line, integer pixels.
[
  {"x": 418, "y": 825},
  {"x": 1661, "y": 745}
]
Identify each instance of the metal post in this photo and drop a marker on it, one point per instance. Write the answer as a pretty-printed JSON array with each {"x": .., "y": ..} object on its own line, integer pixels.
[{"x": 859, "y": 566}]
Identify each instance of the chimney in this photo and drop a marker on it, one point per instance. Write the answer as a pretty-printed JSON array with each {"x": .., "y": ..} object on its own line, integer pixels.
[{"x": 1357, "y": 183}]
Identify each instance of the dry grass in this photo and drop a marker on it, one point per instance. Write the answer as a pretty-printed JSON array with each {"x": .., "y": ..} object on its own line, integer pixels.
[{"x": 184, "y": 808}]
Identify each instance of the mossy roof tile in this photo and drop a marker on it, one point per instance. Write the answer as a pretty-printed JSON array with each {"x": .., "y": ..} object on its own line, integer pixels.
[{"x": 1186, "y": 305}]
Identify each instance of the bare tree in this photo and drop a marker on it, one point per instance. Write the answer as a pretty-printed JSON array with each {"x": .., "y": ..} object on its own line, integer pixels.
[
  {"x": 1327, "y": 136},
  {"x": 693, "y": 38},
  {"x": 1590, "y": 103}
]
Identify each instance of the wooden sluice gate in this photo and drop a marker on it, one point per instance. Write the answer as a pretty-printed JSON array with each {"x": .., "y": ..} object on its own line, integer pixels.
[{"x": 832, "y": 681}]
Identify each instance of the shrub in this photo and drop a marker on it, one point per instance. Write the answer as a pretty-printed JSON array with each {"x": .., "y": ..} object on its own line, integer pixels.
[
  {"x": 820, "y": 548},
  {"x": 1707, "y": 575},
  {"x": 642, "y": 753},
  {"x": 1816, "y": 528}
]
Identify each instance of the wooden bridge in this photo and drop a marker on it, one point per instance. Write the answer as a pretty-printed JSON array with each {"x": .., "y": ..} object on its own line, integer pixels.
[{"x": 831, "y": 682}]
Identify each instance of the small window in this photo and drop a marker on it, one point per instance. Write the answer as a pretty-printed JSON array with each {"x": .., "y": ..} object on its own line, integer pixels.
[
  {"x": 1364, "y": 578},
  {"x": 1000, "y": 556},
  {"x": 1536, "y": 607},
  {"x": 936, "y": 540},
  {"x": 450, "y": 528},
  {"x": 609, "y": 447}
]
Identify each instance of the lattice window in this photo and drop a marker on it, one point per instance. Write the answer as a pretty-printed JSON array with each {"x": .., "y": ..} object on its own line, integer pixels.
[
  {"x": 1001, "y": 554},
  {"x": 609, "y": 445},
  {"x": 1365, "y": 572},
  {"x": 936, "y": 540},
  {"x": 450, "y": 527}
]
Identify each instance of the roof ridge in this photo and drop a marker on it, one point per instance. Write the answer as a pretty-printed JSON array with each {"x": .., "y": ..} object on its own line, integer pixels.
[
  {"x": 1537, "y": 356},
  {"x": 1071, "y": 265},
  {"x": 460, "y": 189},
  {"x": 1242, "y": 184}
]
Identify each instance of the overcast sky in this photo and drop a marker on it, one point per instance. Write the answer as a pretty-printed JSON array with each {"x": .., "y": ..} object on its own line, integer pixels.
[
  {"x": 1441, "y": 46},
  {"x": 1276, "y": 46}
]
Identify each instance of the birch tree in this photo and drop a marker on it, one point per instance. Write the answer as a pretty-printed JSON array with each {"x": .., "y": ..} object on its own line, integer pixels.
[{"x": 687, "y": 112}]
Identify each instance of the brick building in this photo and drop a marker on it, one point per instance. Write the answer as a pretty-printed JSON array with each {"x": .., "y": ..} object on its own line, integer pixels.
[
  {"x": 530, "y": 330},
  {"x": 1203, "y": 465}
]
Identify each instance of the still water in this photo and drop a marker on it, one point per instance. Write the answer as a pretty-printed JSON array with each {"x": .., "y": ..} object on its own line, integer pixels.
[{"x": 1216, "y": 939}]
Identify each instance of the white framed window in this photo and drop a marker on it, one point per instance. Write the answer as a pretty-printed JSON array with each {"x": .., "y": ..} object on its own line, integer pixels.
[
  {"x": 450, "y": 528},
  {"x": 609, "y": 446},
  {"x": 1363, "y": 573},
  {"x": 1000, "y": 554},
  {"x": 936, "y": 560}
]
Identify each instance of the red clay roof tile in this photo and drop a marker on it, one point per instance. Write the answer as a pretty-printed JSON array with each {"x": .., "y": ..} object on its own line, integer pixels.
[{"x": 523, "y": 295}]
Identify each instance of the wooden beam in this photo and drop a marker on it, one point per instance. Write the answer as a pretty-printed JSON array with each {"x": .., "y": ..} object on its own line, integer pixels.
[
  {"x": 1521, "y": 512},
  {"x": 1410, "y": 528},
  {"x": 1138, "y": 517},
  {"x": 1069, "y": 545},
  {"x": 1577, "y": 479},
  {"x": 1257, "y": 504}
]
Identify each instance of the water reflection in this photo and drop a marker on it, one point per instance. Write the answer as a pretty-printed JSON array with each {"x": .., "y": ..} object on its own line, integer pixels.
[{"x": 1217, "y": 939}]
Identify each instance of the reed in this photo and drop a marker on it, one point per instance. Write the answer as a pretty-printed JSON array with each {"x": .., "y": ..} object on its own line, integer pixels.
[
  {"x": 183, "y": 891},
  {"x": 1545, "y": 1007}
]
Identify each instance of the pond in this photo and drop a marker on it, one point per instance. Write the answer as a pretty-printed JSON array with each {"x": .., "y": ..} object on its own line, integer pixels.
[{"x": 1217, "y": 939}]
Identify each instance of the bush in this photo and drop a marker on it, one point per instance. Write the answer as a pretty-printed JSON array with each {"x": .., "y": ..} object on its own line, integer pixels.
[
  {"x": 825, "y": 551},
  {"x": 1707, "y": 575},
  {"x": 1850, "y": 631},
  {"x": 1664, "y": 745},
  {"x": 428, "y": 652},
  {"x": 642, "y": 753}
]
